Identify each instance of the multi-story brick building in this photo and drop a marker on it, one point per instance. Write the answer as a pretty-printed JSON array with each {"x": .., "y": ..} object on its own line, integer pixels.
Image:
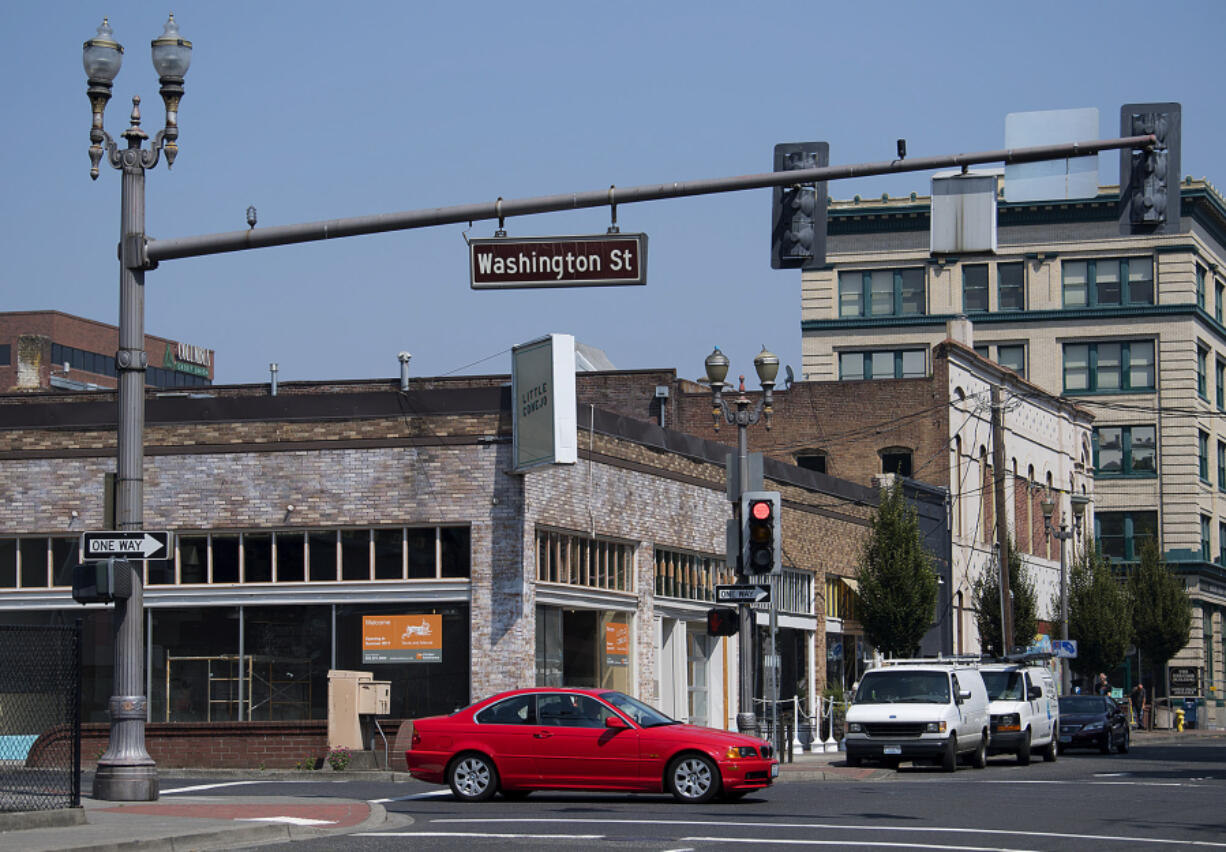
[
  {"x": 40, "y": 350},
  {"x": 1130, "y": 326},
  {"x": 297, "y": 514}
]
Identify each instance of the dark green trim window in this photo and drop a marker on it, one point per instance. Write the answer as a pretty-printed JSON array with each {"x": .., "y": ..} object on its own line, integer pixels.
[
  {"x": 1205, "y": 541},
  {"x": 1200, "y": 286},
  {"x": 1125, "y": 451},
  {"x": 1218, "y": 290},
  {"x": 1011, "y": 287},
  {"x": 1221, "y": 465},
  {"x": 1202, "y": 372},
  {"x": 1220, "y": 381},
  {"x": 1122, "y": 367},
  {"x": 1124, "y": 281},
  {"x": 882, "y": 293},
  {"x": 1119, "y": 534},
  {"x": 1221, "y": 543},
  {"x": 1202, "y": 456},
  {"x": 886, "y": 364},
  {"x": 975, "y": 287}
]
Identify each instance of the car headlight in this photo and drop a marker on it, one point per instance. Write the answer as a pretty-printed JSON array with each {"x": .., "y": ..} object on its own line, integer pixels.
[
  {"x": 854, "y": 728},
  {"x": 736, "y": 752},
  {"x": 934, "y": 728},
  {"x": 1093, "y": 726}
]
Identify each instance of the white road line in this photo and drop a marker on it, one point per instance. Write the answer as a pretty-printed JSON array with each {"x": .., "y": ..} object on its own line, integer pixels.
[
  {"x": 875, "y": 844},
  {"x": 288, "y": 820},
  {"x": 433, "y": 794},
  {"x": 197, "y": 788},
  {"x": 844, "y": 827},
  {"x": 482, "y": 834},
  {"x": 1100, "y": 783}
]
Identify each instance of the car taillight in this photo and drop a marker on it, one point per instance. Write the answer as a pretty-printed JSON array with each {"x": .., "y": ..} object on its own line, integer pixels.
[{"x": 416, "y": 740}]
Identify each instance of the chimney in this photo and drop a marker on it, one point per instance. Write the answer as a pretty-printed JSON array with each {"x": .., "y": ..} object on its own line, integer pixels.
[
  {"x": 404, "y": 357},
  {"x": 959, "y": 330}
]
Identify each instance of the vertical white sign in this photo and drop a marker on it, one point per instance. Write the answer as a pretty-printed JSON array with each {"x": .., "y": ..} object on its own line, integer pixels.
[{"x": 543, "y": 402}]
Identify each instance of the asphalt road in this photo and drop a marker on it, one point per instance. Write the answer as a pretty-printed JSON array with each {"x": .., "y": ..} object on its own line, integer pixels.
[{"x": 1165, "y": 797}]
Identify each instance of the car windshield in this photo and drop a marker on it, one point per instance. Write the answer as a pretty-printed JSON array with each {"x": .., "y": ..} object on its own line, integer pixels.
[
  {"x": 642, "y": 714},
  {"x": 903, "y": 687},
  {"x": 1006, "y": 686},
  {"x": 1082, "y": 704}
]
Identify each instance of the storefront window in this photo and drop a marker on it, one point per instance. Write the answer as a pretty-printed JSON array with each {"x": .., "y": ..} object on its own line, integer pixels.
[
  {"x": 698, "y": 649},
  {"x": 291, "y": 557},
  {"x": 195, "y": 669},
  {"x": 583, "y": 648}
]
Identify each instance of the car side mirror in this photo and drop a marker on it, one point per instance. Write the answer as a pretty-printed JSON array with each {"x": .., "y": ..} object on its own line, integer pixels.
[
  {"x": 964, "y": 695},
  {"x": 616, "y": 722},
  {"x": 1035, "y": 693}
]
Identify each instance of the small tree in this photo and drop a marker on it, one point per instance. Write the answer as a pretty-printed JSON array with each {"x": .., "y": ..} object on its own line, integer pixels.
[
  {"x": 985, "y": 598},
  {"x": 1099, "y": 614},
  {"x": 1161, "y": 611},
  {"x": 898, "y": 588}
]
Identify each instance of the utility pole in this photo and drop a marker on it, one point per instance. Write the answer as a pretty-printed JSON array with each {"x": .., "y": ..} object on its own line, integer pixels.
[{"x": 1002, "y": 525}]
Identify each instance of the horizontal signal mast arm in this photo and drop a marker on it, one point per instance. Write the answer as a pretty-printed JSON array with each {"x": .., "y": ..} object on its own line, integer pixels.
[{"x": 170, "y": 249}]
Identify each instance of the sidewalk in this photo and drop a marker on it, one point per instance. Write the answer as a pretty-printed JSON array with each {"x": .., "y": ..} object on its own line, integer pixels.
[{"x": 182, "y": 822}]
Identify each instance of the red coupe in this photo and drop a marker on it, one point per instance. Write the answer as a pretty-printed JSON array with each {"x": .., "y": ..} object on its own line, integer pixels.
[{"x": 582, "y": 739}]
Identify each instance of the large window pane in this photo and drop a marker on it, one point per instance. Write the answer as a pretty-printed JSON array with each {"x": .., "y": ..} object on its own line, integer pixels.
[
  {"x": 851, "y": 294},
  {"x": 456, "y": 551},
  {"x": 1141, "y": 364},
  {"x": 289, "y": 649},
  {"x": 8, "y": 563},
  {"x": 422, "y": 561},
  {"x": 193, "y": 559},
  {"x": 1107, "y": 282},
  {"x": 1013, "y": 357},
  {"x": 913, "y": 364},
  {"x": 196, "y": 670},
  {"x": 975, "y": 287},
  {"x": 1076, "y": 366},
  {"x": 389, "y": 554},
  {"x": 322, "y": 547},
  {"x": 225, "y": 558},
  {"x": 291, "y": 557},
  {"x": 1110, "y": 533},
  {"x": 881, "y": 292},
  {"x": 912, "y": 301},
  {"x": 1141, "y": 280},
  {"x": 1110, "y": 450},
  {"x": 1075, "y": 278},
  {"x": 355, "y": 554},
  {"x": 1010, "y": 287},
  {"x": 851, "y": 366},
  {"x": 1109, "y": 365},
  {"x": 1144, "y": 450},
  {"x": 64, "y": 552},
  {"x": 33, "y": 562},
  {"x": 882, "y": 365},
  {"x": 257, "y": 557}
]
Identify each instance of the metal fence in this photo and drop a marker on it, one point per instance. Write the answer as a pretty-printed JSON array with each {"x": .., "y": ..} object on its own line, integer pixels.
[{"x": 40, "y": 717}]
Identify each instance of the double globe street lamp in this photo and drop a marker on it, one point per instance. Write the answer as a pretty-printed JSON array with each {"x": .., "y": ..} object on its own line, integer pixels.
[
  {"x": 1078, "y": 503},
  {"x": 743, "y": 414},
  {"x": 126, "y": 772}
]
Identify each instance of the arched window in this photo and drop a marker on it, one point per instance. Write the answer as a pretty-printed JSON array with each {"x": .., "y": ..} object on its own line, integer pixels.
[
  {"x": 896, "y": 460},
  {"x": 812, "y": 460}
]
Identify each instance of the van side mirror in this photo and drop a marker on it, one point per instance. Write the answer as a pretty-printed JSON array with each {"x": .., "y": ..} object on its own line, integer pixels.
[
  {"x": 964, "y": 695},
  {"x": 1034, "y": 693}
]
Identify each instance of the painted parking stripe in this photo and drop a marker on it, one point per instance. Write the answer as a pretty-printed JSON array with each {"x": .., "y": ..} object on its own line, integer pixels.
[
  {"x": 875, "y": 844},
  {"x": 845, "y": 827},
  {"x": 432, "y": 794},
  {"x": 479, "y": 834},
  {"x": 198, "y": 787}
]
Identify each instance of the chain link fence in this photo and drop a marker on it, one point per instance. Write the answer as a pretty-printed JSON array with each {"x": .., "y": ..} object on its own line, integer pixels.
[{"x": 40, "y": 717}]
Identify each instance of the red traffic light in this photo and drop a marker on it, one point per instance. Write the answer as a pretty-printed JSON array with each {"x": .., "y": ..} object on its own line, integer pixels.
[{"x": 760, "y": 510}]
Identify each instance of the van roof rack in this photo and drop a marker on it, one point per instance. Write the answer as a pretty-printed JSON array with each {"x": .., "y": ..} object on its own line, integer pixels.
[
  {"x": 1022, "y": 657},
  {"x": 939, "y": 659}
]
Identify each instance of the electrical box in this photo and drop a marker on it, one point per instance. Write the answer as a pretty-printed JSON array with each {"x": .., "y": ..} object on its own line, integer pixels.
[
  {"x": 375, "y": 697},
  {"x": 350, "y": 696}
]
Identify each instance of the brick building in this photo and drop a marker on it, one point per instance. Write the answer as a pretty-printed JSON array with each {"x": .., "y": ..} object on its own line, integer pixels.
[
  {"x": 298, "y": 514},
  {"x": 40, "y": 350}
]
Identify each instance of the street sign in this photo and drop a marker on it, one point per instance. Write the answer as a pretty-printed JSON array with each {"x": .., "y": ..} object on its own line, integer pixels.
[
  {"x": 743, "y": 593},
  {"x": 138, "y": 544},
  {"x": 599, "y": 260},
  {"x": 1065, "y": 648}
]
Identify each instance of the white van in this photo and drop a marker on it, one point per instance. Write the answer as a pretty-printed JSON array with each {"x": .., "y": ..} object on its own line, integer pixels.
[
  {"x": 1025, "y": 709},
  {"x": 919, "y": 710}
]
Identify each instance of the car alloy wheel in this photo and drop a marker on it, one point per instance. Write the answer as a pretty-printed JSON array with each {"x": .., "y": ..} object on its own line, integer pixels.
[
  {"x": 472, "y": 778},
  {"x": 693, "y": 778}
]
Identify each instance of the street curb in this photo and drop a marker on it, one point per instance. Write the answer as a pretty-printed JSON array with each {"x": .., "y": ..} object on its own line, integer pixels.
[{"x": 54, "y": 818}]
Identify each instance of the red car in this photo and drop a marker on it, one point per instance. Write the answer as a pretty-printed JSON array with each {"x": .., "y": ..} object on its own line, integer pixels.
[{"x": 582, "y": 739}]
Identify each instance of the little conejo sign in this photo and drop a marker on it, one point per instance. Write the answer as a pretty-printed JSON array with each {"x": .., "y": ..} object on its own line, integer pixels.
[
  {"x": 605, "y": 260},
  {"x": 543, "y": 421}
]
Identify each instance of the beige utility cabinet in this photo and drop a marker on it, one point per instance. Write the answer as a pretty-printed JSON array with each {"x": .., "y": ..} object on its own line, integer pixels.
[{"x": 352, "y": 695}]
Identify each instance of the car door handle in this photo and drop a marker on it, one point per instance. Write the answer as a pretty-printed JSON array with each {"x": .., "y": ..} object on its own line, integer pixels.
[{"x": 542, "y": 735}]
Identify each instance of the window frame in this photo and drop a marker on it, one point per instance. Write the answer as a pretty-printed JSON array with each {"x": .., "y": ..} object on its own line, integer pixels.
[
  {"x": 1127, "y": 458},
  {"x": 980, "y": 289},
  {"x": 1129, "y": 539},
  {"x": 899, "y": 293},
  {"x": 1125, "y": 367},
  {"x": 1002, "y": 287},
  {"x": 899, "y": 358},
  {"x": 1092, "y": 289},
  {"x": 1202, "y": 371},
  {"x": 1202, "y": 456}
]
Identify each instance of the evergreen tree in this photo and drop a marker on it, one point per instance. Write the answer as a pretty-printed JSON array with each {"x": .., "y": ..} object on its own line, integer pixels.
[
  {"x": 985, "y": 598},
  {"x": 898, "y": 587},
  {"x": 1099, "y": 614},
  {"x": 1162, "y": 613}
]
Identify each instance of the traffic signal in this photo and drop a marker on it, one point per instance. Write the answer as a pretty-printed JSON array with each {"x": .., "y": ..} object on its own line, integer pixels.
[
  {"x": 104, "y": 581},
  {"x": 723, "y": 621},
  {"x": 1149, "y": 180},
  {"x": 761, "y": 541},
  {"x": 798, "y": 213}
]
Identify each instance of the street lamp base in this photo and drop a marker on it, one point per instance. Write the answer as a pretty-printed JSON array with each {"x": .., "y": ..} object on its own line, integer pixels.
[{"x": 123, "y": 783}]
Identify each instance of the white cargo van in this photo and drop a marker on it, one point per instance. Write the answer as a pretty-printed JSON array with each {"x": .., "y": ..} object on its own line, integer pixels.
[
  {"x": 919, "y": 710},
  {"x": 1025, "y": 709}
]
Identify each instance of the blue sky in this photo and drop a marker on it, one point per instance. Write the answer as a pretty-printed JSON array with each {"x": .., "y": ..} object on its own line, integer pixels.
[{"x": 312, "y": 110}]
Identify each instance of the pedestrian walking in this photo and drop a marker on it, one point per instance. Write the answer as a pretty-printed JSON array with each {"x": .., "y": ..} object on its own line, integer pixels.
[
  {"x": 1101, "y": 687},
  {"x": 1138, "y": 704}
]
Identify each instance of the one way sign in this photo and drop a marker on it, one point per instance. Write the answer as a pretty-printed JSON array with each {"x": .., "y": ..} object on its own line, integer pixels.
[
  {"x": 743, "y": 593},
  {"x": 138, "y": 544}
]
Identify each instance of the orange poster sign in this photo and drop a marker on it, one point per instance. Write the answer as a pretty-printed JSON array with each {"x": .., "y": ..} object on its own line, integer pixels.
[
  {"x": 402, "y": 638},
  {"x": 617, "y": 644}
]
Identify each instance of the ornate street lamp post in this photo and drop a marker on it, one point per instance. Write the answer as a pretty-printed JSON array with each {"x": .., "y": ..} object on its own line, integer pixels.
[
  {"x": 126, "y": 772},
  {"x": 1078, "y": 502},
  {"x": 740, "y": 413}
]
